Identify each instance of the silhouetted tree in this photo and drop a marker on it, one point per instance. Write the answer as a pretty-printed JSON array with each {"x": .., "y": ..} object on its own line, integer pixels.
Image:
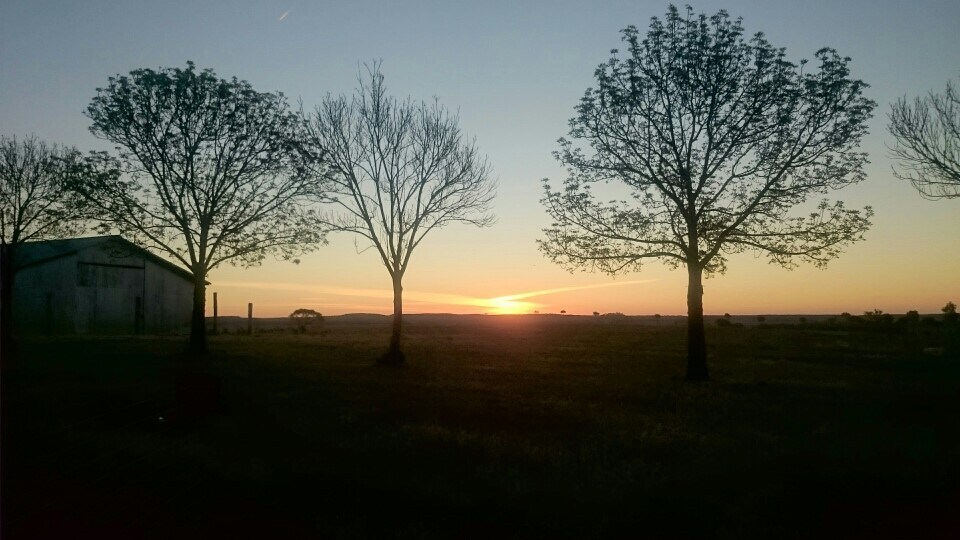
[
  {"x": 910, "y": 318},
  {"x": 304, "y": 317},
  {"x": 205, "y": 172},
  {"x": 716, "y": 137},
  {"x": 949, "y": 312},
  {"x": 34, "y": 205},
  {"x": 951, "y": 330},
  {"x": 927, "y": 134},
  {"x": 397, "y": 170},
  {"x": 909, "y": 322}
]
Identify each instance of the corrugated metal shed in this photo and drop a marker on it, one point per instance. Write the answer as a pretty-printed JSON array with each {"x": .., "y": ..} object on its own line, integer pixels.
[{"x": 102, "y": 285}]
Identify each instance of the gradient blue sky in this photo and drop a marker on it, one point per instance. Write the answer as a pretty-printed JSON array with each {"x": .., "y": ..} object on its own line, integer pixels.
[{"x": 514, "y": 70}]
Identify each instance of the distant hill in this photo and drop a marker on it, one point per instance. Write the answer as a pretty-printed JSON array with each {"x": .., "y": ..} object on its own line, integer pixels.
[{"x": 235, "y": 323}]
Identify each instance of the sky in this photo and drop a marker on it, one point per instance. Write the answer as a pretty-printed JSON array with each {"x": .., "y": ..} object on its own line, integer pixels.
[{"x": 514, "y": 70}]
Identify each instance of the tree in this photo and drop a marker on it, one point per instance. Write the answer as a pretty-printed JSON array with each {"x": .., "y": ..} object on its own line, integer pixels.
[
  {"x": 949, "y": 312},
  {"x": 304, "y": 317},
  {"x": 205, "y": 173},
  {"x": 395, "y": 171},
  {"x": 951, "y": 331},
  {"x": 34, "y": 205},
  {"x": 715, "y": 137},
  {"x": 927, "y": 134}
]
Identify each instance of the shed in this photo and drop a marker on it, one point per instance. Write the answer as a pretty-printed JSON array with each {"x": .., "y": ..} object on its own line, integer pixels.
[{"x": 98, "y": 285}]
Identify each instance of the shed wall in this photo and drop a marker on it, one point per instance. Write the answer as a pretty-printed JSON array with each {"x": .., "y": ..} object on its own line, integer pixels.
[
  {"x": 104, "y": 289},
  {"x": 44, "y": 301},
  {"x": 168, "y": 301}
]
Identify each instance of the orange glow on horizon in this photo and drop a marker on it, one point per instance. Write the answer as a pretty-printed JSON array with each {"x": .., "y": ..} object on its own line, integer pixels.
[{"x": 512, "y": 304}]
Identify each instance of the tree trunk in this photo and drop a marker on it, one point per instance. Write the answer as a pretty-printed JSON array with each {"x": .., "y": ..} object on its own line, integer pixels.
[
  {"x": 696, "y": 337},
  {"x": 198, "y": 322},
  {"x": 7, "y": 344},
  {"x": 394, "y": 356}
]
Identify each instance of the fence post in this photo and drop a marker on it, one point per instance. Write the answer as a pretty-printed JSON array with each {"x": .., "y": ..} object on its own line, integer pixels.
[{"x": 250, "y": 318}]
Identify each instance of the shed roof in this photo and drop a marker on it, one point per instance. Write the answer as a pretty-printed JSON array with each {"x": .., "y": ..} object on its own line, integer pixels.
[{"x": 34, "y": 253}]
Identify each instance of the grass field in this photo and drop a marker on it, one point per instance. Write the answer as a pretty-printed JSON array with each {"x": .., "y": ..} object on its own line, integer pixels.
[{"x": 497, "y": 427}]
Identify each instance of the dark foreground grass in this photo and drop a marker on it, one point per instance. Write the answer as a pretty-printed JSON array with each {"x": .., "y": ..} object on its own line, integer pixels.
[{"x": 496, "y": 427}]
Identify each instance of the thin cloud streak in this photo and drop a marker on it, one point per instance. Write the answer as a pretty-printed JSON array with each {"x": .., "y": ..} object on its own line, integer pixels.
[
  {"x": 284, "y": 16},
  {"x": 546, "y": 292}
]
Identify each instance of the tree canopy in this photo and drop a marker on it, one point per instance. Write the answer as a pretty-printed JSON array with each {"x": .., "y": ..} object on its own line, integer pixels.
[
  {"x": 35, "y": 204},
  {"x": 927, "y": 134},
  {"x": 393, "y": 171},
  {"x": 204, "y": 172},
  {"x": 715, "y": 137}
]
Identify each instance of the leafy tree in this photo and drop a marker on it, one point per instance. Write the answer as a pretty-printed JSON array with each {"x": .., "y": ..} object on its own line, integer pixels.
[
  {"x": 949, "y": 312},
  {"x": 304, "y": 317},
  {"x": 394, "y": 171},
  {"x": 911, "y": 318},
  {"x": 951, "y": 330},
  {"x": 716, "y": 137},
  {"x": 909, "y": 321},
  {"x": 34, "y": 205},
  {"x": 877, "y": 318},
  {"x": 927, "y": 134},
  {"x": 205, "y": 172}
]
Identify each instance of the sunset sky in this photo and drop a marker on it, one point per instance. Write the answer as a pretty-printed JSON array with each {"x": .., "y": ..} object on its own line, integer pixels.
[{"x": 514, "y": 70}]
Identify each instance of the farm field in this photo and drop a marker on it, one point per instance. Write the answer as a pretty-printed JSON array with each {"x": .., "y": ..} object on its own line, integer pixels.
[{"x": 497, "y": 427}]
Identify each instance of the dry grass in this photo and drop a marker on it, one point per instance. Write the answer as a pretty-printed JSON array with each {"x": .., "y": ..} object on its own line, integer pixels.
[{"x": 497, "y": 426}]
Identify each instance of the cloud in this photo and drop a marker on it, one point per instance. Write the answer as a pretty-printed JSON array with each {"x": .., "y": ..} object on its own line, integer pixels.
[{"x": 545, "y": 292}]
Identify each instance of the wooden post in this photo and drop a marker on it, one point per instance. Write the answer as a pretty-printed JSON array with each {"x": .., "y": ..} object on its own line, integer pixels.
[
  {"x": 214, "y": 313},
  {"x": 250, "y": 318}
]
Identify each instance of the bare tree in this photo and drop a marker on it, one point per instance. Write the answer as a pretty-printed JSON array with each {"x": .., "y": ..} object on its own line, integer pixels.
[
  {"x": 205, "y": 173},
  {"x": 34, "y": 205},
  {"x": 397, "y": 170},
  {"x": 715, "y": 138},
  {"x": 927, "y": 134}
]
